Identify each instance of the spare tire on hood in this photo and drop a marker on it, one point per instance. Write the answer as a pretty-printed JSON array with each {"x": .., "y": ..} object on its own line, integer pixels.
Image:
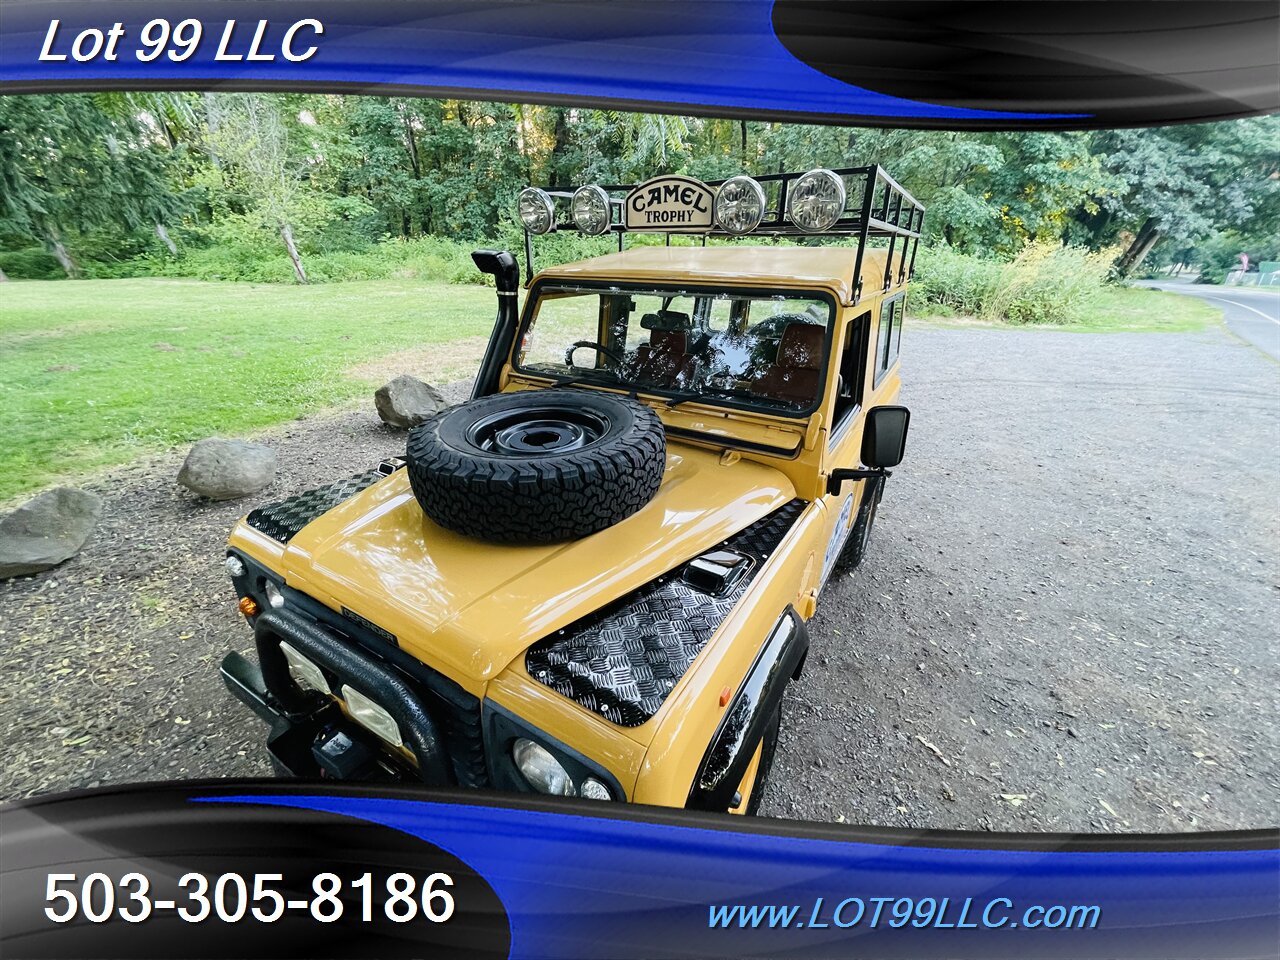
[{"x": 537, "y": 466}]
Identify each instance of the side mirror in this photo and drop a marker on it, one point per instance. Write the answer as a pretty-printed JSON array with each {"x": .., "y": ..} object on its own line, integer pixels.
[
  {"x": 884, "y": 437},
  {"x": 884, "y": 441}
]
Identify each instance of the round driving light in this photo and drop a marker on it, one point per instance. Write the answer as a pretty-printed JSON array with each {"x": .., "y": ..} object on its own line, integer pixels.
[
  {"x": 816, "y": 201},
  {"x": 739, "y": 205},
  {"x": 541, "y": 769},
  {"x": 537, "y": 211},
  {"x": 593, "y": 789},
  {"x": 591, "y": 209},
  {"x": 235, "y": 566},
  {"x": 274, "y": 597}
]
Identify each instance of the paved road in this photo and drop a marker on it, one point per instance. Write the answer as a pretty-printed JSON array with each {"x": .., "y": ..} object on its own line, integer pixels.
[{"x": 1252, "y": 313}]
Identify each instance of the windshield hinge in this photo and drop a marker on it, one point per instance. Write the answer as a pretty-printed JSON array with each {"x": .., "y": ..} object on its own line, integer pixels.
[{"x": 813, "y": 431}]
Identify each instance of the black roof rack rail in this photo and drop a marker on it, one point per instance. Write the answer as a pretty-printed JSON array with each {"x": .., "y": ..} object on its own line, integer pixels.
[{"x": 876, "y": 207}]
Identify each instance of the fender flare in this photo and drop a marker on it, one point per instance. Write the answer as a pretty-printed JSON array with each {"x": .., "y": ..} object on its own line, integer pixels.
[{"x": 780, "y": 660}]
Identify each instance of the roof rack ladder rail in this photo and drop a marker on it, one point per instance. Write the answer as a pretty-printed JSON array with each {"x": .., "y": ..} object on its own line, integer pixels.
[
  {"x": 893, "y": 237},
  {"x": 917, "y": 219},
  {"x": 868, "y": 195}
]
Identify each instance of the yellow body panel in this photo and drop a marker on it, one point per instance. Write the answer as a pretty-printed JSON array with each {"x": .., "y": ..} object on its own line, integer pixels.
[
  {"x": 470, "y": 609},
  {"x": 467, "y": 609}
]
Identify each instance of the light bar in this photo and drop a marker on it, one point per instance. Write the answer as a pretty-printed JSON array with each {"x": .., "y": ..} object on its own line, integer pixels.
[{"x": 590, "y": 207}]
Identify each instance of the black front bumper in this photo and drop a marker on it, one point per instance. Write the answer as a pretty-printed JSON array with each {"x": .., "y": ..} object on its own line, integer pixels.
[
  {"x": 315, "y": 744},
  {"x": 309, "y": 730}
]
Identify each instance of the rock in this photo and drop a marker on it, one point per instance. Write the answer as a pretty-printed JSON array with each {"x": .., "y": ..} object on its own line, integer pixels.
[
  {"x": 47, "y": 530},
  {"x": 226, "y": 469},
  {"x": 406, "y": 401}
]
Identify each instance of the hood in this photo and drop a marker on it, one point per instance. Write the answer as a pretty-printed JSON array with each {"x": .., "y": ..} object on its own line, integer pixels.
[{"x": 468, "y": 608}]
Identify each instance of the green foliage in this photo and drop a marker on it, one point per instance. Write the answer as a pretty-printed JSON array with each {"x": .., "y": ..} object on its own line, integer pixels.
[
  {"x": 1044, "y": 283},
  {"x": 29, "y": 263},
  {"x": 427, "y": 259},
  {"x": 68, "y": 166},
  {"x": 1220, "y": 254},
  {"x": 339, "y": 175}
]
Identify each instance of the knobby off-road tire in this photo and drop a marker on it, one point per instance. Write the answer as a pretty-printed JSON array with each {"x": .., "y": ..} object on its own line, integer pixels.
[
  {"x": 860, "y": 536},
  {"x": 538, "y": 466}
]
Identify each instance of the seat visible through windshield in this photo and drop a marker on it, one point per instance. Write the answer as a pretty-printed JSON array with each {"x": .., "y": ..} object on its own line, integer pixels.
[{"x": 768, "y": 351}]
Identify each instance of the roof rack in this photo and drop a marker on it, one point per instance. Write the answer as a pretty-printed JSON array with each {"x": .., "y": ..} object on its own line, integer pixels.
[{"x": 874, "y": 206}]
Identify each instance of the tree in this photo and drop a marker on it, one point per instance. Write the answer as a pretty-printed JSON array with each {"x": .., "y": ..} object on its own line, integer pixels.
[
  {"x": 249, "y": 134},
  {"x": 68, "y": 167},
  {"x": 1183, "y": 184}
]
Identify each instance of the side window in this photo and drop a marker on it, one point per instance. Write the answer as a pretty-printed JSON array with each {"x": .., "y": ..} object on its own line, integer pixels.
[
  {"x": 849, "y": 387},
  {"x": 899, "y": 312},
  {"x": 888, "y": 336}
]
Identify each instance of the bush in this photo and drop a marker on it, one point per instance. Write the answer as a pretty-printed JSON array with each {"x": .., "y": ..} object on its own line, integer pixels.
[
  {"x": 1045, "y": 283},
  {"x": 962, "y": 283},
  {"x": 30, "y": 263},
  {"x": 100, "y": 257}
]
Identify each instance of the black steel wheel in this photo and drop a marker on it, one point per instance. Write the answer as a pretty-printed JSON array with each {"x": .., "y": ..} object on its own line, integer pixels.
[{"x": 538, "y": 466}]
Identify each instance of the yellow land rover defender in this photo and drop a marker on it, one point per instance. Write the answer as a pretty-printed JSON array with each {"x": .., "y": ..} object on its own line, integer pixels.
[{"x": 593, "y": 578}]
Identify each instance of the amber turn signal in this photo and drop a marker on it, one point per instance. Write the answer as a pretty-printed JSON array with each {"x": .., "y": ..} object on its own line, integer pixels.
[
  {"x": 249, "y": 606},
  {"x": 724, "y": 696}
]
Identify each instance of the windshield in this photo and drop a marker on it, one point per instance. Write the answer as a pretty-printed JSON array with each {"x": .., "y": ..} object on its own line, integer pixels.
[{"x": 762, "y": 350}]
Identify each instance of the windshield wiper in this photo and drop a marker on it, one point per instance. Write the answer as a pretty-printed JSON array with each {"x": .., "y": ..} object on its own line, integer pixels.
[{"x": 683, "y": 397}]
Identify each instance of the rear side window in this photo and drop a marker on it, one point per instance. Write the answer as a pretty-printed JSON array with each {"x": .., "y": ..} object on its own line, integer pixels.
[{"x": 889, "y": 335}]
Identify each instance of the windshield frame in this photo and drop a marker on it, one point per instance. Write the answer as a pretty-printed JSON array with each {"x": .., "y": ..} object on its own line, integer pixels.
[{"x": 675, "y": 396}]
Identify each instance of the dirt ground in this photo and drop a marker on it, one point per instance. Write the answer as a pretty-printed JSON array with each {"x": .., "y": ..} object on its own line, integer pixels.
[{"x": 1066, "y": 621}]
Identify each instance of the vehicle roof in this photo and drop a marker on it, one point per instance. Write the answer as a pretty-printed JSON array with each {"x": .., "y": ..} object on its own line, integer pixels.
[{"x": 826, "y": 267}]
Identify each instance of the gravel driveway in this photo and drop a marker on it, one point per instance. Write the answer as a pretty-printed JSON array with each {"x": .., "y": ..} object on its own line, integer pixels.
[{"x": 1066, "y": 621}]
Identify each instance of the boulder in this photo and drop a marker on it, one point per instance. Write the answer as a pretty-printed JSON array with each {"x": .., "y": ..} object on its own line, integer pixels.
[
  {"x": 46, "y": 531},
  {"x": 226, "y": 469},
  {"x": 406, "y": 401}
]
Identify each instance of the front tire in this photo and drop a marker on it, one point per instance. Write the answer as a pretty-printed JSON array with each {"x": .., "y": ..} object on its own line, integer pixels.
[
  {"x": 860, "y": 537},
  {"x": 751, "y": 789}
]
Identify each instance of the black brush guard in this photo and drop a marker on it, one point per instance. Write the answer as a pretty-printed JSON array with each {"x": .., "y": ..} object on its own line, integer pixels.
[{"x": 297, "y": 717}]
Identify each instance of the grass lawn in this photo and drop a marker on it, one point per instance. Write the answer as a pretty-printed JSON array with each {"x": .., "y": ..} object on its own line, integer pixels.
[
  {"x": 96, "y": 372},
  {"x": 1114, "y": 310}
]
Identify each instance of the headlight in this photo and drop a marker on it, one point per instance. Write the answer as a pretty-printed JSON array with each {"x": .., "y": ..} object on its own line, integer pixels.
[
  {"x": 593, "y": 789},
  {"x": 543, "y": 771},
  {"x": 591, "y": 209},
  {"x": 305, "y": 673},
  {"x": 537, "y": 211},
  {"x": 274, "y": 597},
  {"x": 235, "y": 566},
  {"x": 816, "y": 201},
  {"x": 371, "y": 716},
  {"x": 739, "y": 205}
]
